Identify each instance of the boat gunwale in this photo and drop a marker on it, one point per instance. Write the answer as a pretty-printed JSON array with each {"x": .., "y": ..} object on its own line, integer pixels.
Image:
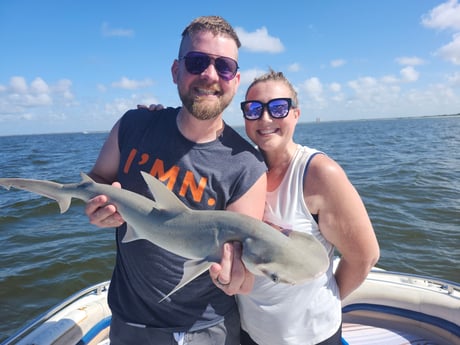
[{"x": 95, "y": 289}]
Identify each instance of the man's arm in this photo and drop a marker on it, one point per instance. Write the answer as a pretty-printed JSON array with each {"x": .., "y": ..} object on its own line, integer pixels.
[
  {"x": 105, "y": 171},
  {"x": 231, "y": 276}
]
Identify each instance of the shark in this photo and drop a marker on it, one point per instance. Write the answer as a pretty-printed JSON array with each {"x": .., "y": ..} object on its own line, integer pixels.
[{"x": 197, "y": 235}]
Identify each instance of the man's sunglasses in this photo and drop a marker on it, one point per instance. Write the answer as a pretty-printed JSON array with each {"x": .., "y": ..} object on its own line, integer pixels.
[
  {"x": 277, "y": 108},
  {"x": 197, "y": 63}
]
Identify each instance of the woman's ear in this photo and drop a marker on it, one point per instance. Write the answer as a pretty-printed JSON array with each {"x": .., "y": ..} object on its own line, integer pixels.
[{"x": 297, "y": 113}]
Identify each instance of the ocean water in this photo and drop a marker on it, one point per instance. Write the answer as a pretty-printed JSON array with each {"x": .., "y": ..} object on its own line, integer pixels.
[{"x": 407, "y": 171}]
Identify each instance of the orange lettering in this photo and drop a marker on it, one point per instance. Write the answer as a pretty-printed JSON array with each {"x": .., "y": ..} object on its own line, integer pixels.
[
  {"x": 158, "y": 170},
  {"x": 190, "y": 184},
  {"x": 129, "y": 161}
]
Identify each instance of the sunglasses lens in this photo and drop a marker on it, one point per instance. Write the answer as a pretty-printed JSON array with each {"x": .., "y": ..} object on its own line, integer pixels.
[
  {"x": 226, "y": 68},
  {"x": 252, "y": 110},
  {"x": 196, "y": 63},
  {"x": 278, "y": 108}
]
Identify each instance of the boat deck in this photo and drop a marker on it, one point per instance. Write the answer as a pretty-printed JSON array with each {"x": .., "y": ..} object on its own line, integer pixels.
[{"x": 358, "y": 334}]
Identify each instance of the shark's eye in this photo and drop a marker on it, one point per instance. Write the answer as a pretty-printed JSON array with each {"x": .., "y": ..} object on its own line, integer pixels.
[{"x": 275, "y": 277}]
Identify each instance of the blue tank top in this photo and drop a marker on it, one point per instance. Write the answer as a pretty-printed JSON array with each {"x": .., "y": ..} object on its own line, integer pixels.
[{"x": 204, "y": 176}]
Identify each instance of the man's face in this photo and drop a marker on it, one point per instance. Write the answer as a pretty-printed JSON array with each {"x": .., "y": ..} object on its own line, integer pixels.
[{"x": 206, "y": 95}]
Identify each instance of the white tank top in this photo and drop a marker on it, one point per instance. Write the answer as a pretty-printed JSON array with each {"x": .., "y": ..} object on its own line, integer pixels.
[{"x": 285, "y": 314}]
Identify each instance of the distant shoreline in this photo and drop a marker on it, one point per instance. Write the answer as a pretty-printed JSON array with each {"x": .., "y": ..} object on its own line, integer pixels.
[
  {"x": 384, "y": 118},
  {"x": 316, "y": 121}
]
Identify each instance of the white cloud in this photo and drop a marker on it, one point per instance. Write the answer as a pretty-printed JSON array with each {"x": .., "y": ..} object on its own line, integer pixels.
[
  {"x": 370, "y": 94},
  {"x": 454, "y": 79},
  {"x": 313, "y": 88},
  {"x": 121, "y": 105},
  {"x": 130, "y": 84},
  {"x": 451, "y": 51},
  {"x": 248, "y": 76},
  {"x": 18, "y": 85},
  {"x": 335, "y": 87},
  {"x": 101, "y": 87},
  {"x": 38, "y": 86},
  {"x": 295, "y": 67},
  {"x": 433, "y": 99},
  {"x": 107, "y": 31},
  {"x": 410, "y": 61},
  {"x": 390, "y": 79},
  {"x": 444, "y": 16},
  {"x": 23, "y": 99},
  {"x": 118, "y": 106},
  {"x": 337, "y": 94},
  {"x": 337, "y": 63},
  {"x": 259, "y": 41},
  {"x": 409, "y": 74},
  {"x": 362, "y": 83},
  {"x": 63, "y": 87}
]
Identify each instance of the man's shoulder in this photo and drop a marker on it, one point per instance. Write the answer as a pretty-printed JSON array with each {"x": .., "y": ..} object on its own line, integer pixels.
[
  {"x": 145, "y": 113},
  {"x": 140, "y": 118},
  {"x": 233, "y": 138}
]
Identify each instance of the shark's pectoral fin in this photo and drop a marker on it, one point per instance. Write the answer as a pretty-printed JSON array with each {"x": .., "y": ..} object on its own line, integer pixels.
[
  {"x": 192, "y": 269},
  {"x": 130, "y": 234},
  {"x": 251, "y": 257}
]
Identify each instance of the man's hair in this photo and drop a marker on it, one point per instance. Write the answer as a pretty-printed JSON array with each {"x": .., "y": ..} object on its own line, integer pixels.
[
  {"x": 214, "y": 24},
  {"x": 272, "y": 75}
]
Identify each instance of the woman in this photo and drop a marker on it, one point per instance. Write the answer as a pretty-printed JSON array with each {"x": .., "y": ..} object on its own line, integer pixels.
[{"x": 307, "y": 192}]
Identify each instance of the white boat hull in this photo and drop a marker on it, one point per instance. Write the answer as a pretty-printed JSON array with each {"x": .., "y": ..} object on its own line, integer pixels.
[{"x": 389, "y": 308}]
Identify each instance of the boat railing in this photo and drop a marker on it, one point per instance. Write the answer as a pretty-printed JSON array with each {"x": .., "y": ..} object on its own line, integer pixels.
[
  {"x": 414, "y": 279},
  {"x": 96, "y": 289}
]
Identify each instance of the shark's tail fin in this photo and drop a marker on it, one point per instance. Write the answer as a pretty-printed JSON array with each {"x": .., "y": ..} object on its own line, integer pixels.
[{"x": 48, "y": 189}]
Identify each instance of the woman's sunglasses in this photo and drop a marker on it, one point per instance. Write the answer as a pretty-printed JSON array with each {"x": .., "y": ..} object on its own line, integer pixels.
[
  {"x": 277, "y": 108},
  {"x": 197, "y": 63}
]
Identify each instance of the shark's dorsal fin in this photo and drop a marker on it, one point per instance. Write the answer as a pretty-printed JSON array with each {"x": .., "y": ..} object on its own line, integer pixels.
[
  {"x": 85, "y": 177},
  {"x": 164, "y": 198}
]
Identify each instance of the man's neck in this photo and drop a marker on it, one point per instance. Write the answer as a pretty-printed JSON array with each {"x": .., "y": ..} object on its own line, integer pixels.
[{"x": 199, "y": 131}]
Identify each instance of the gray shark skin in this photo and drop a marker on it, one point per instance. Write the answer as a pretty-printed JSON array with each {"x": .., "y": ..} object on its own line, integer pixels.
[{"x": 195, "y": 234}]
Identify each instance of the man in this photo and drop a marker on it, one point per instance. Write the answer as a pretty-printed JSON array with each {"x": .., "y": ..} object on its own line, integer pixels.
[{"x": 208, "y": 166}]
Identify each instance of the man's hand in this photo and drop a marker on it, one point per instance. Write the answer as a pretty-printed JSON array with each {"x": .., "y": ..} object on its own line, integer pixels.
[
  {"x": 102, "y": 214},
  {"x": 151, "y": 107},
  {"x": 231, "y": 276}
]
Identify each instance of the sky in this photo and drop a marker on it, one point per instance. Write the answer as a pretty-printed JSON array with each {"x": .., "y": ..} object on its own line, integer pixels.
[{"x": 71, "y": 66}]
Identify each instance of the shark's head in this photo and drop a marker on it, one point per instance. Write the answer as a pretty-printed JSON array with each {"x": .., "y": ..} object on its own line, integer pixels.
[
  {"x": 290, "y": 269},
  {"x": 296, "y": 259}
]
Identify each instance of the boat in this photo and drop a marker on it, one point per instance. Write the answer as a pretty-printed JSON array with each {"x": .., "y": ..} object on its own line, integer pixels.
[
  {"x": 392, "y": 308},
  {"x": 389, "y": 308},
  {"x": 83, "y": 319}
]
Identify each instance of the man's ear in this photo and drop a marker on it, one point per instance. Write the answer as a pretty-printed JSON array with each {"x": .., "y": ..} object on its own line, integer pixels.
[{"x": 175, "y": 70}]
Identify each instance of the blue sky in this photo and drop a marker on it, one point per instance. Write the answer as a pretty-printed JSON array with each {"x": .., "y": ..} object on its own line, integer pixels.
[{"x": 70, "y": 66}]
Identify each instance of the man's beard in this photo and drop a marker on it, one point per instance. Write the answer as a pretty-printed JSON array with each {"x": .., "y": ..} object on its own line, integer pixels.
[{"x": 204, "y": 110}]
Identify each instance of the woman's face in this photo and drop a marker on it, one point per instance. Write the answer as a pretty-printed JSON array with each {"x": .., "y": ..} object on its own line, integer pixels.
[{"x": 268, "y": 133}]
